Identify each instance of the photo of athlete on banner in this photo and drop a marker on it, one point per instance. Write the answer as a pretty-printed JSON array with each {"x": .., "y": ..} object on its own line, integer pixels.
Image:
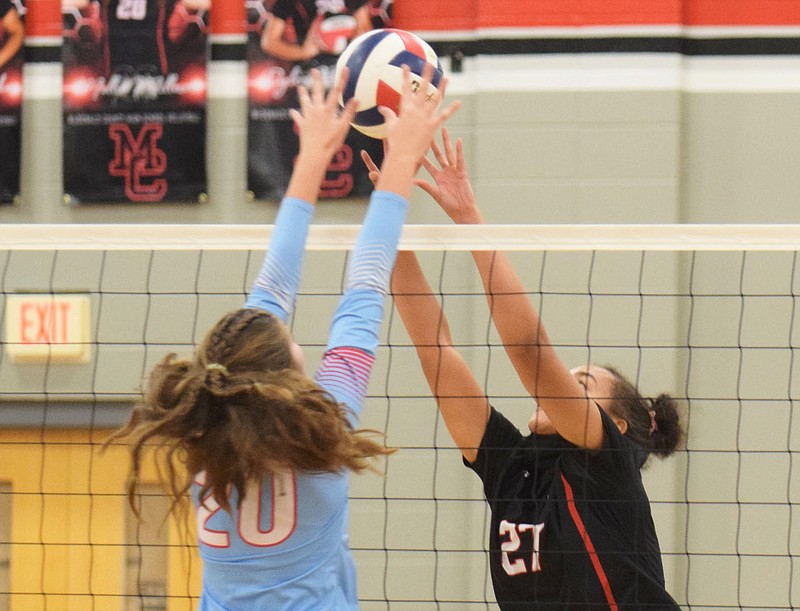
[
  {"x": 12, "y": 36},
  {"x": 286, "y": 39},
  {"x": 134, "y": 100}
]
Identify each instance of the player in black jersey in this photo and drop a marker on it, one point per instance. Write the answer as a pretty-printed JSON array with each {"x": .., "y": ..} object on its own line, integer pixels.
[
  {"x": 12, "y": 32},
  {"x": 307, "y": 17},
  {"x": 571, "y": 526},
  {"x": 135, "y": 36}
]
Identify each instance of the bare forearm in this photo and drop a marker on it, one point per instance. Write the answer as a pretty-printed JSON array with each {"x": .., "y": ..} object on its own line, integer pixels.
[
  {"x": 309, "y": 170},
  {"x": 461, "y": 400},
  {"x": 11, "y": 47},
  {"x": 415, "y": 302}
]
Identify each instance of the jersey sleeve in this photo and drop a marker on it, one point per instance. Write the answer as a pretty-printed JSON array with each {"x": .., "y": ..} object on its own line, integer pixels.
[
  {"x": 500, "y": 439},
  {"x": 353, "y": 337},
  {"x": 275, "y": 287}
]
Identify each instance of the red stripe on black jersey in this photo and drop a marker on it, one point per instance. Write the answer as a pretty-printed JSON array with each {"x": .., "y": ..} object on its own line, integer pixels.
[{"x": 587, "y": 541}]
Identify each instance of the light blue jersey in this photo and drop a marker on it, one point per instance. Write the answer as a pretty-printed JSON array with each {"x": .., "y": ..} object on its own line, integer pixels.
[{"x": 286, "y": 547}]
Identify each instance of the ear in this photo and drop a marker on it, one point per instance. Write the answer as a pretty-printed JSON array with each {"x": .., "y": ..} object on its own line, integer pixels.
[{"x": 621, "y": 423}]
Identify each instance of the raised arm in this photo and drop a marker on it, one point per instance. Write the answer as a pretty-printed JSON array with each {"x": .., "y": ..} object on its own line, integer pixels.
[
  {"x": 15, "y": 35},
  {"x": 460, "y": 398},
  {"x": 322, "y": 131},
  {"x": 354, "y": 331},
  {"x": 272, "y": 42},
  {"x": 541, "y": 370}
]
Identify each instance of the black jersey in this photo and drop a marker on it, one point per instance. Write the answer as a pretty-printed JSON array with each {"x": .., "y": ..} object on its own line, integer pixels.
[
  {"x": 5, "y": 6},
  {"x": 303, "y": 12},
  {"x": 571, "y": 529},
  {"x": 136, "y": 36}
]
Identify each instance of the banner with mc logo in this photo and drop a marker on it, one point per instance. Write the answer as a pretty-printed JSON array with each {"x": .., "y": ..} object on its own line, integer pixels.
[{"x": 134, "y": 100}]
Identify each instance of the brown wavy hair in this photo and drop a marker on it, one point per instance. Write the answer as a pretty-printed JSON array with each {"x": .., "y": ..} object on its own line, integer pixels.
[{"x": 240, "y": 410}]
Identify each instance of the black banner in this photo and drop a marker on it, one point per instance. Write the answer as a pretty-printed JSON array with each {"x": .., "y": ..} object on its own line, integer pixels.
[
  {"x": 316, "y": 30},
  {"x": 12, "y": 35},
  {"x": 134, "y": 100}
]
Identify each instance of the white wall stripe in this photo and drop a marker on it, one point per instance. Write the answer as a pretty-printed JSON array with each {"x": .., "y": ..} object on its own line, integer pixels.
[{"x": 625, "y": 72}]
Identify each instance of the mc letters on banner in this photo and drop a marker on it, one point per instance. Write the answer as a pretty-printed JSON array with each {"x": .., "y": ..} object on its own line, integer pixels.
[
  {"x": 12, "y": 34},
  {"x": 134, "y": 100},
  {"x": 322, "y": 29}
]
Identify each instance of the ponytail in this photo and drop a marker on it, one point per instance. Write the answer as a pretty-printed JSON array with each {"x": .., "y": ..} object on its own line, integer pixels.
[
  {"x": 668, "y": 433},
  {"x": 240, "y": 411},
  {"x": 654, "y": 424}
]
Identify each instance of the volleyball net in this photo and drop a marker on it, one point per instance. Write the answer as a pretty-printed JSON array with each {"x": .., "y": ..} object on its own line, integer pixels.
[{"x": 706, "y": 313}]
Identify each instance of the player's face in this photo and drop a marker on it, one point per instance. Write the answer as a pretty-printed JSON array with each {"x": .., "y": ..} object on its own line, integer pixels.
[{"x": 599, "y": 385}]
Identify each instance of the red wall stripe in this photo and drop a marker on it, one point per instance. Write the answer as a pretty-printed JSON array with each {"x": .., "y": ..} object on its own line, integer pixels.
[
  {"x": 460, "y": 15},
  {"x": 227, "y": 17},
  {"x": 43, "y": 19},
  {"x": 743, "y": 12}
]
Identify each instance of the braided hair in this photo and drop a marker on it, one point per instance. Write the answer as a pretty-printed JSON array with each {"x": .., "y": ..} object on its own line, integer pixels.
[{"x": 240, "y": 410}]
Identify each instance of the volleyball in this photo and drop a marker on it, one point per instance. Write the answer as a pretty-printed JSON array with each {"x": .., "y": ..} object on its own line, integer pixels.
[{"x": 375, "y": 60}]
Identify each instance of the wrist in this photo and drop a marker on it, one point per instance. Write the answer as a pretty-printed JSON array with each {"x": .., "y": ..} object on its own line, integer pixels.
[
  {"x": 469, "y": 216},
  {"x": 307, "y": 176}
]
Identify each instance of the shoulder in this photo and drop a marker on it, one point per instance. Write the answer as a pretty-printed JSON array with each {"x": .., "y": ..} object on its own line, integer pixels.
[
  {"x": 500, "y": 440},
  {"x": 500, "y": 431}
]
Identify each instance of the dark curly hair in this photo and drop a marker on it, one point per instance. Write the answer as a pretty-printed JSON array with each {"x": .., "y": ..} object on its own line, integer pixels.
[{"x": 654, "y": 423}]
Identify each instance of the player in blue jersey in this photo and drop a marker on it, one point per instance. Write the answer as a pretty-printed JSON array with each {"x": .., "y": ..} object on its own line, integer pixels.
[
  {"x": 268, "y": 449},
  {"x": 571, "y": 527}
]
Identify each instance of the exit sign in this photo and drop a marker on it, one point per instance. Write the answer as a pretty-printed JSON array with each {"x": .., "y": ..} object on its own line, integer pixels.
[{"x": 48, "y": 328}]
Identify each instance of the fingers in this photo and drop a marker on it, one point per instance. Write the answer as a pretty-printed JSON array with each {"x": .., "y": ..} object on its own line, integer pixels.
[
  {"x": 460, "y": 165},
  {"x": 303, "y": 98},
  {"x": 448, "y": 146},
  {"x": 389, "y": 117},
  {"x": 442, "y": 87},
  {"x": 427, "y": 187},
  {"x": 429, "y": 167},
  {"x": 373, "y": 173},
  {"x": 371, "y": 166},
  {"x": 349, "y": 110},
  {"x": 449, "y": 111},
  {"x": 336, "y": 92},
  {"x": 296, "y": 116},
  {"x": 317, "y": 88},
  {"x": 437, "y": 153}
]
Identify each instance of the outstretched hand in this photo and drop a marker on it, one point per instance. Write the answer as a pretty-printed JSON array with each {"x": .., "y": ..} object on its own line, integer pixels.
[
  {"x": 321, "y": 125},
  {"x": 451, "y": 187},
  {"x": 322, "y": 128},
  {"x": 412, "y": 130},
  {"x": 409, "y": 133}
]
